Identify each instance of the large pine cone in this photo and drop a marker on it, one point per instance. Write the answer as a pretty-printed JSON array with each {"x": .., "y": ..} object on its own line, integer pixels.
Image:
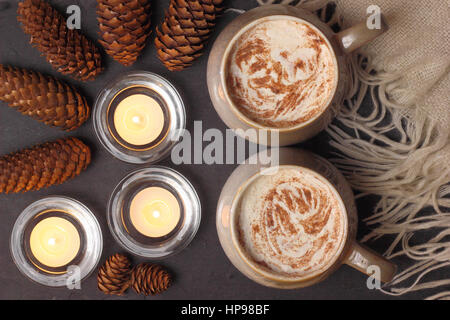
[
  {"x": 43, "y": 98},
  {"x": 147, "y": 278},
  {"x": 181, "y": 37},
  {"x": 124, "y": 28},
  {"x": 68, "y": 51},
  {"x": 114, "y": 276},
  {"x": 44, "y": 165}
]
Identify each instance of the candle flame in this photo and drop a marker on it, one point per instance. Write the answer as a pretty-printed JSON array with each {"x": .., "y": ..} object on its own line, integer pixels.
[
  {"x": 136, "y": 119},
  {"x": 156, "y": 214}
]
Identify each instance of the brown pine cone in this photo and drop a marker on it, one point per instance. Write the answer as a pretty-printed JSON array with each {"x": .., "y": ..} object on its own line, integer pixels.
[
  {"x": 43, "y": 98},
  {"x": 68, "y": 51},
  {"x": 44, "y": 165},
  {"x": 181, "y": 36},
  {"x": 114, "y": 275},
  {"x": 147, "y": 278},
  {"x": 124, "y": 28}
]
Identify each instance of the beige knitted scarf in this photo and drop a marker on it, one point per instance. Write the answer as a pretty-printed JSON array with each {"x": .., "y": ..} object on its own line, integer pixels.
[{"x": 399, "y": 150}]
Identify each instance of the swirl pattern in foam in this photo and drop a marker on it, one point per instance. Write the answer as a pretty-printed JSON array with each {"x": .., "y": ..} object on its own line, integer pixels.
[
  {"x": 290, "y": 223},
  {"x": 281, "y": 72}
]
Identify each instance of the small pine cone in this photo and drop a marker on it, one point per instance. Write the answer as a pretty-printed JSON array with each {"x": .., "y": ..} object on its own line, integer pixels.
[
  {"x": 43, "y": 98},
  {"x": 124, "y": 28},
  {"x": 147, "y": 278},
  {"x": 44, "y": 165},
  {"x": 68, "y": 51},
  {"x": 114, "y": 275},
  {"x": 181, "y": 37}
]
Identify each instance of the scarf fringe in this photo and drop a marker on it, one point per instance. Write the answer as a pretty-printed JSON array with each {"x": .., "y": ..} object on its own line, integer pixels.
[{"x": 408, "y": 174}]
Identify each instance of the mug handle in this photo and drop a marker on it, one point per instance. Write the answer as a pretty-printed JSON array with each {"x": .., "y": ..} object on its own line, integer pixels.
[
  {"x": 364, "y": 259},
  {"x": 355, "y": 37}
]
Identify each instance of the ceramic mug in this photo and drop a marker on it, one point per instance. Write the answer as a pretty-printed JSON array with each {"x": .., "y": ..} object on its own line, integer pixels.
[
  {"x": 349, "y": 251},
  {"x": 340, "y": 44}
]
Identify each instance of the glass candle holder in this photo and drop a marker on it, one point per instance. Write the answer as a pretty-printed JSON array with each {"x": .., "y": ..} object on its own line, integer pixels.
[
  {"x": 56, "y": 239},
  {"x": 139, "y": 117},
  {"x": 154, "y": 212}
]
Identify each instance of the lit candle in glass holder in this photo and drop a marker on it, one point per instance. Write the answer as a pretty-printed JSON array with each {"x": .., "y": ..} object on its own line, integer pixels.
[
  {"x": 154, "y": 212},
  {"x": 139, "y": 117},
  {"x": 52, "y": 235}
]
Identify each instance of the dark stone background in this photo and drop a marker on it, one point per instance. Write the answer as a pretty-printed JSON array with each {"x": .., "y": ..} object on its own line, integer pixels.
[{"x": 202, "y": 270}]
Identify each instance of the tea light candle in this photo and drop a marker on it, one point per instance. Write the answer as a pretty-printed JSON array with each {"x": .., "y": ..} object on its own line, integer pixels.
[
  {"x": 139, "y": 119},
  {"x": 54, "y": 242},
  {"x": 155, "y": 212},
  {"x": 53, "y": 234}
]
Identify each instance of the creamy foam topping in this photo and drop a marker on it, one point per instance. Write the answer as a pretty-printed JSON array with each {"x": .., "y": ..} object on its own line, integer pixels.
[
  {"x": 281, "y": 73},
  {"x": 290, "y": 223}
]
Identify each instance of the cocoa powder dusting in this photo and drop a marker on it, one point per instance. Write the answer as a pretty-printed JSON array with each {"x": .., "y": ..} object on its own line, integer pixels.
[
  {"x": 300, "y": 64},
  {"x": 316, "y": 223},
  {"x": 258, "y": 65},
  {"x": 270, "y": 92},
  {"x": 290, "y": 213},
  {"x": 249, "y": 50}
]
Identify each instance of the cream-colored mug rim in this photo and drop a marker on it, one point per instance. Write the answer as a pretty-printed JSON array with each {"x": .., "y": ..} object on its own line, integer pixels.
[
  {"x": 224, "y": 63},
  {"x": 270, "y": 275}
]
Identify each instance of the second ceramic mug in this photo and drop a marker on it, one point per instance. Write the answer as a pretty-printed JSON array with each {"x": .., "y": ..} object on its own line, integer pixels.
[
  {"x": 340, "y": 44},
  {"x": 349, "y": 251}
]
